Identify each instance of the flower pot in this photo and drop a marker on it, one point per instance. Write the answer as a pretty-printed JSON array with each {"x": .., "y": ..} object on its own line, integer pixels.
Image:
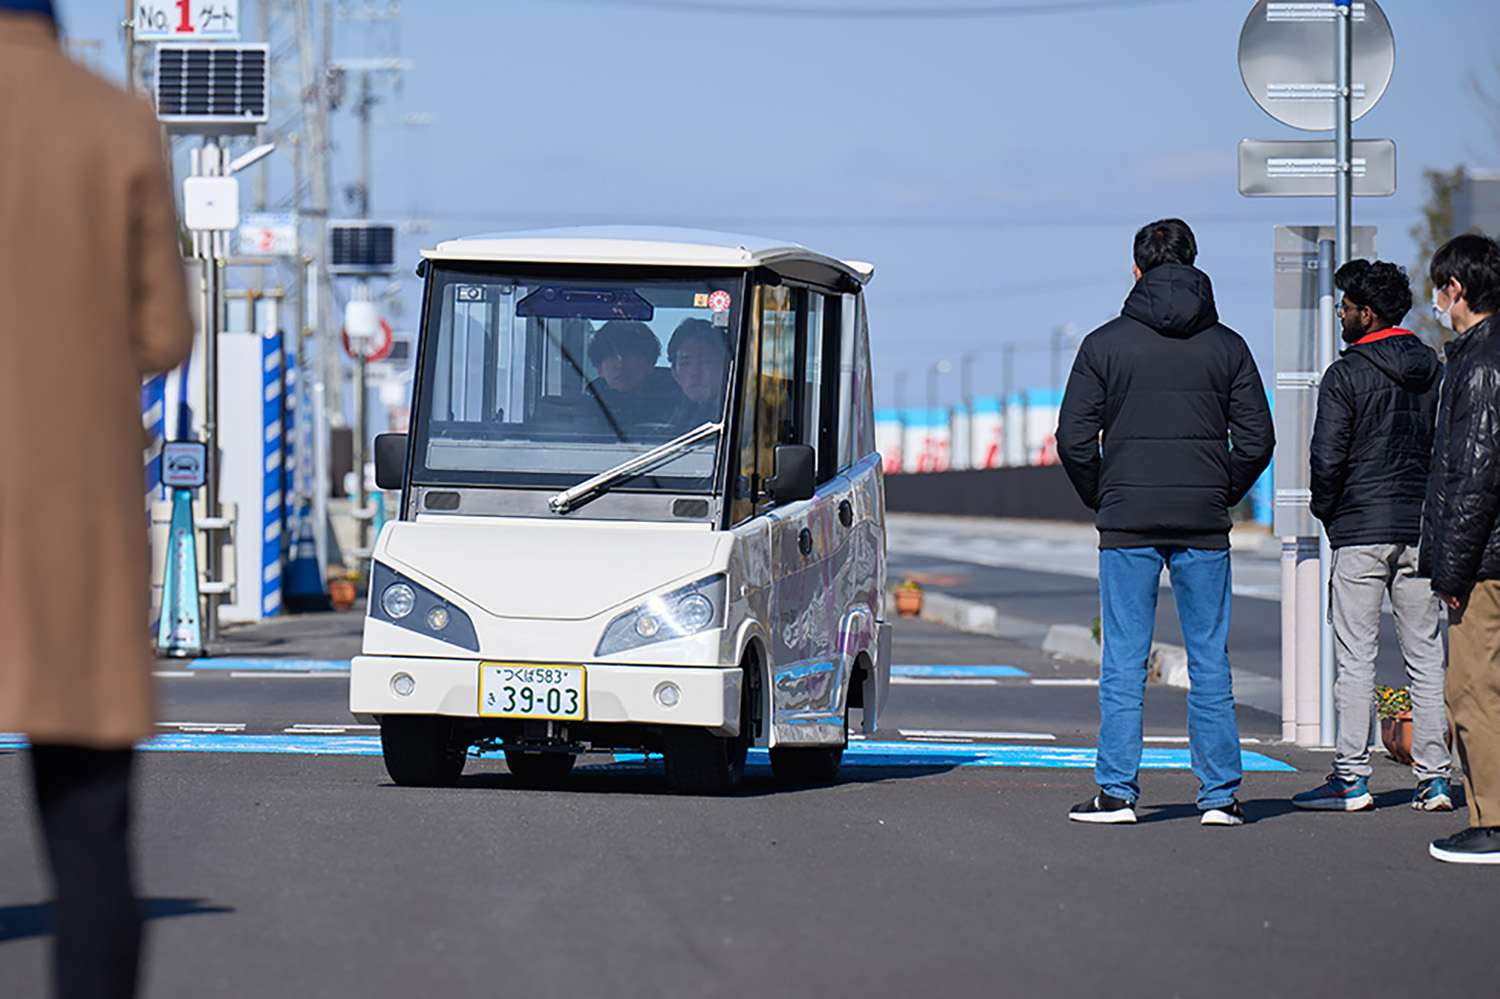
[
  {"x": 908, "y": 602},
  {"x": 341, "y": 593},
  {"x": 1396, "y": 734}
]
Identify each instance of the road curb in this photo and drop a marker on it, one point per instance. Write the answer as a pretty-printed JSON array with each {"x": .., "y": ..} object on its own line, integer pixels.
[
  {"x": 980, "y": 619},
  {"x": 1167, "y": 665}
]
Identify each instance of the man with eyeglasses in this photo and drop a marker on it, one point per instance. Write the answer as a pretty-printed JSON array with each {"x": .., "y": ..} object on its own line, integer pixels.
[
  {"x": 1371, "y": 447},
  {"x": 1461, "y": 530}
]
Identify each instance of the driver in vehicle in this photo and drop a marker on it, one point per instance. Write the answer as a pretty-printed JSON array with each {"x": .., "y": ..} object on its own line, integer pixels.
[
  {"x": 697, "y": 351},
  {"x": 630, "y": 388}
]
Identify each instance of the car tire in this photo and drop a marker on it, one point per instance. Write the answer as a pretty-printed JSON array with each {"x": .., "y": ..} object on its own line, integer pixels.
[
  {"x": 700, "y": 762},
  {"x": 422, "y": 750},
  {"x": 539, "y": 768},
  {"x": 809, "y": 766}
]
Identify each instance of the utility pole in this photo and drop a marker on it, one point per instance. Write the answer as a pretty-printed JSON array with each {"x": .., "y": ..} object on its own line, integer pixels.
[
  {"x": 1343, "y": 128},
  {"x": 129, "y": 26},
  {"x": 362, "y": 293}
]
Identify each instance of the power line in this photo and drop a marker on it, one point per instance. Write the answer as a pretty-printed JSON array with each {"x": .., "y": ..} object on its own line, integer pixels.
[
  {"x": 984, "y": 10},
  {"x": 871, "y": 222}
]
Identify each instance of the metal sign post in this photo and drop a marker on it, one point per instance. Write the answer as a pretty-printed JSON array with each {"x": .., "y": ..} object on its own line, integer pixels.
[
  {"x": 1343, "y": 125},
  {"x": 1284, "y": 56}
]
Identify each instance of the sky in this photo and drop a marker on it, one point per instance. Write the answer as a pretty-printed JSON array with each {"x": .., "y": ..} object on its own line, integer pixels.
[{"x": 992, "y": 158}]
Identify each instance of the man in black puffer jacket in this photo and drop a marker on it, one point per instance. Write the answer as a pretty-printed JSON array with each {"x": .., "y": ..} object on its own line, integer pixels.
[
  {"x": 1164, "y": 426},
  {"x": 1371, "y": 446},
  {"x": 1461, "y": 530}
]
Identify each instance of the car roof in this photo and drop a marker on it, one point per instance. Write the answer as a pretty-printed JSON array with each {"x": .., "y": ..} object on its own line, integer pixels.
[{"x": 656, "y": 246}]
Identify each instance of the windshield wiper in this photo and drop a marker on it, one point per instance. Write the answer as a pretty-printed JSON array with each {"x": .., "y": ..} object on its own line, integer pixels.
[{"x": 588, "y": 489}]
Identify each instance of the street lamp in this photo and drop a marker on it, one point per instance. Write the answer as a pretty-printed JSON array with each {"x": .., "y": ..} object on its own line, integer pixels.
[
  {"x": 936, "y": 368},
  {"x": 1060, "y": 335}
]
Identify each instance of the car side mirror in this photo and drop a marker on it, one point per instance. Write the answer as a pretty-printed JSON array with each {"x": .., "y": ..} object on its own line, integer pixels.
[
  {"x": 390, "y": 460},
  {"x": 796, "y": 476}
]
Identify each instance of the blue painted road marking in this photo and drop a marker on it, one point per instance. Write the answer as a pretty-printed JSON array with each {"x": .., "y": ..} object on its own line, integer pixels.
[
  {"x": 858, "y": 754},
  {"x": 956, "y": 672},
  {"x": 267, "y": 665},
  {"x": 273, "y": 665}
]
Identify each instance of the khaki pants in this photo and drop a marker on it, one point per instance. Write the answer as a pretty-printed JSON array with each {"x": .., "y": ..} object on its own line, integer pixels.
[{"x": 1472, "y": 692}]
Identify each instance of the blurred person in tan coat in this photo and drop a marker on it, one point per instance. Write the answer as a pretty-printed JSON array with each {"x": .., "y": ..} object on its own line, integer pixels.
[{"x": 92, "y": 297}]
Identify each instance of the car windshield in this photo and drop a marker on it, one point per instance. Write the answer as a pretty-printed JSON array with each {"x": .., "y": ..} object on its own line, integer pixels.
[{"x": 547, "y": 379}]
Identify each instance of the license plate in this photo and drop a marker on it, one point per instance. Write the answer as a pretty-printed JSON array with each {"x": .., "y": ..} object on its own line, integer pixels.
[{"x": 526, "y": 690}]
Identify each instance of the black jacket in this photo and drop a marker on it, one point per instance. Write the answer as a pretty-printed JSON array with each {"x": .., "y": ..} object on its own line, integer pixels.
[
  {"x": 1183, "y": 416},
  {"x": 1460, "y": 543},
  {"x": 1372, "y": 442}
]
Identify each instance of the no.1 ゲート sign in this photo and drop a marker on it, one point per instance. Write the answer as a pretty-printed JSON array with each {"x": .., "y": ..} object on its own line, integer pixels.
[{"x": 186, "y": 20}]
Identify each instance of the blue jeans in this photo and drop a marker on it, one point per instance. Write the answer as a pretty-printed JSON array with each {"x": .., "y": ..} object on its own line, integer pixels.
[{"x": 1129, "y": 579}]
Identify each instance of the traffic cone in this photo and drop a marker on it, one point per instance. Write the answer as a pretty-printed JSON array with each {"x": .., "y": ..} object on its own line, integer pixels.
[
  {"x": 179, "y": 630},
  {"x": 305, "y": 589}
]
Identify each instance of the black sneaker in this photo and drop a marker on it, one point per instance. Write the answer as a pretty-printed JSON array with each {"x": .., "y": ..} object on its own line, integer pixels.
[
  {"x": 1223, "y": 815},
  {"x": 1103, "y": 808},
  {"x": 1470, "y": 846}
]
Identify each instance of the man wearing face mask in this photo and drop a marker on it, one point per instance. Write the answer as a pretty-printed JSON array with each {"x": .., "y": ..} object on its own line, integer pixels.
[
  {"x": 1461, "y": 530},
  {"x": 1371, "y": 446}
]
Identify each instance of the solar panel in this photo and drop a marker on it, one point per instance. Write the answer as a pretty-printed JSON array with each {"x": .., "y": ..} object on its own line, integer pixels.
[
  {"x": 223, "y": 85},
  {"x": 361, "y": 247}
]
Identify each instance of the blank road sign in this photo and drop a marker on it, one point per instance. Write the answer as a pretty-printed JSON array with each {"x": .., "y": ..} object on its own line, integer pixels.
[
  {"x": 1287, "y": 58},
  {"x": 1309, "y": 168}
]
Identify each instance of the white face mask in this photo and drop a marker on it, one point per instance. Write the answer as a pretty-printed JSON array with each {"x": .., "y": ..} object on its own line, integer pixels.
[{"x": 1443, "y": 316}]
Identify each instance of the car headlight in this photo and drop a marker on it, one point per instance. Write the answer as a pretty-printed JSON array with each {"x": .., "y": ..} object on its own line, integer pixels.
[
  {"x": 685, "y": 611},
  {"x": 398, "y": 600},
  {"x": 410, "y": 605}
]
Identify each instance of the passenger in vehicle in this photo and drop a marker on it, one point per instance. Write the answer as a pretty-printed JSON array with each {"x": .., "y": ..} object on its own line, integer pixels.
[
  {"x": 631, "y": 390},
  {"x": 698, "y": 351}
]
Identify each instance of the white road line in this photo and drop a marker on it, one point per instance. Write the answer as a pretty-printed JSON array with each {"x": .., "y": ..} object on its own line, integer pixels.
[
  {"x": 304, "y": 728},
  {"x": 173, "y": 673},
  {"x": 267, "y": 674},
  {"x": 1182, "y": 740},
  {"x": 204, "y": 727},
  {"x": 944, "y": 681},
  {"x": 1065, "y": 682},
  {"x": 945, "y": 734}
]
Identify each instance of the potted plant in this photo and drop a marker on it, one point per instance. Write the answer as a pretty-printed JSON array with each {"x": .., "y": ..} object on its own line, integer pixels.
[
  {"x": 343, "y": 589},
  {"x": 1393, "y": 708},
  {"x": 909, "y": 598}
]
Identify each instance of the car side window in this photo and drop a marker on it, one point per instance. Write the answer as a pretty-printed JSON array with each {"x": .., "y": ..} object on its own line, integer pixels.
[{"x": 770, "y": 397}]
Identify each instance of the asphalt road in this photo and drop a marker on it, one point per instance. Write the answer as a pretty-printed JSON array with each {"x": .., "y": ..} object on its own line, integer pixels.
[
  {"x": 270, "y": 874},
  {"x": 1052, "y": 579}
]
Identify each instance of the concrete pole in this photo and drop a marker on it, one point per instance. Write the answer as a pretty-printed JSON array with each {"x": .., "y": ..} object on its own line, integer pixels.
[
  {"x": 1309, "y": 678},
  {"x": 1289, "y": 639},
  {"x": 966, "y": 387},
  {"x": 1327, "y": 351},
  {"x": 129, "y": 26},
  {"x": 1009, "y": 455},
  {"x": 312, "y": 75}
]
